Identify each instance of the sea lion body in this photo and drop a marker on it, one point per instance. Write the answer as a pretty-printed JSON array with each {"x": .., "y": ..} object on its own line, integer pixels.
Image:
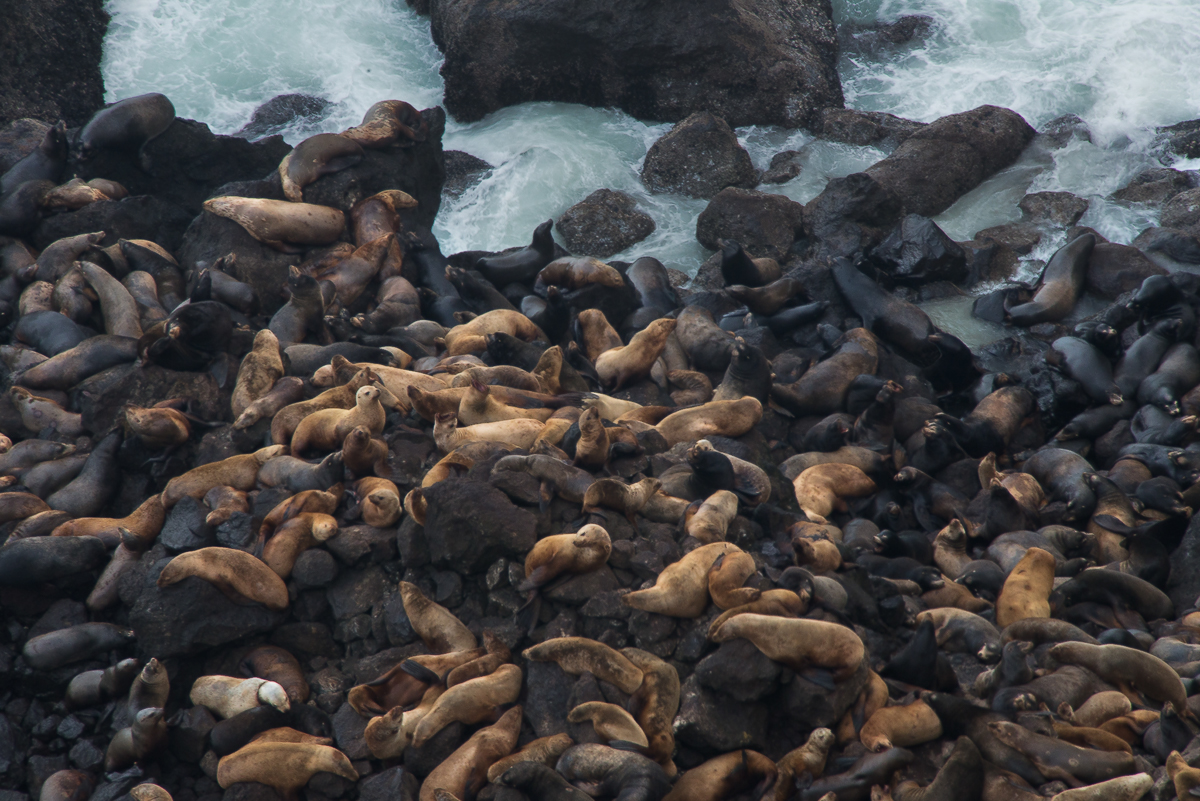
[
  {"x": 1062, "y": 283},
  {"x": 901, "y": 727},
  {"x": 280, "y": 224},
  {"x": 464, "y": 772},
  {"x": 731, "y": 418},
  {"x": 127, "y": 124},
  {"x": 823, "y": 488},
  {"x": 318, "y": 155},
  {"x": 581, "y": 552},
  {"x": 236, "y": 573},
  {"x": 470, "y": 702},
  {"x": 441, "y": 631},
  {"x": 577, "y": 655},
  {"x": 287, "y": 767},
  {"x": 794, "y": 642},
  {"x": 622, "y": 365},
  {"x": 681, "y": 589}
]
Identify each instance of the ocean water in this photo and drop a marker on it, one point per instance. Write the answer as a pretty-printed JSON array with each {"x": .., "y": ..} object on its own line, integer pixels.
[{"x": 1123, "y": 66}]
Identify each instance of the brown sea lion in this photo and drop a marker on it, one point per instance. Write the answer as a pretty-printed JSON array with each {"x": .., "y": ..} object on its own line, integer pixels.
[
  {"x": 441, "y": 631},
  {"x": 239, "y": 472},
  {"x": 226, "y": 696},
  {"x": 544, "y": 751},
  {"x": 681, "y": 589},
  {"x": 390, "y": 123},
  {"x": 464, "y": 772},
  {"x": 624, "y": 364},
  {"x": 276, "y": 664},
  {"x": 715, "y": 418},
  {"x": 279, "y": 224},
  {"x": 1129, "y": 669},
  {"x": 901, "y": 727},
  {"x": 724, "y": 777},
  {"x": 236, "y": 573},
  {"x": 318, "y": 155},
  {"x": 379, "y": 500},
  {"x": 293, "y": 537},
  {"x": 287, "y": 767},
  {"x": 260, "y": 369},
  {"x": 327, "y": 429},
  {"x": 577, "y": 655},
  {"x": 470, "y": 702},
  {"x": 582, "y": 552},
  {"x": 799, "y": 643},
  {"x": 823, "y": 488},
  {"x": 1026, "y": 591}
]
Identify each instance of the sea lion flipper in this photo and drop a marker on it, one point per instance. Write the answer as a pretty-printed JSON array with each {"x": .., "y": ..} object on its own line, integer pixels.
[{"x": 420, "y": 672}]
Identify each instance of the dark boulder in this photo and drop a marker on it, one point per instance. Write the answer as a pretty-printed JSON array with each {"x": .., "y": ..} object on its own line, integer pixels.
[
  {"x": 852, "y": 213},
  {"x": 463, "y": 171},
  {"x": 392, "y": 784},
  {"x": 765, "y": 224},
  {"x": 698, "y": 157},
  {"x": 264, "y": 268},
  {"x": 1116, "y": 269},
  {"x": 855, "y": 127},
  {"x": 102, "y": 397},
  {"x": 940, "y": 163},
  {"x": 784, "y": 167},
  {"x": 1182, "y": 212},
  {"x": 917, "y": 251},
  {"x": 741, "y": 671},
  {"x": 748, "y": 61},
  {"x": 282, "y": 111},
  {"x": 1019, "y": 237},
  {"x": 470, "y": 524},
  {"x": 18, "y": 139},
  {"x": 1183, "y": 585},
  {"x": 713, "y": 723},
  {"x": 882, "y": 36},
  {"x": 1168, "y": 245},
  {"x": 1182, "y": 138},
  {"x": 1061, "y": 209},
  {"x": 1061, "y": 130},
  {"x": 604, "y": 223},
  {"x": 139, "y": 217},
  {"x": 1154, "y": 186}
]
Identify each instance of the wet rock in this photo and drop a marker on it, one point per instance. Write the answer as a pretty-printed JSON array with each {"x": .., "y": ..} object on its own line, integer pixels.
[
  {"x": 265, "y": 269},
  {"x": 354, "y": 544},
  {"x": 1182, "y": 138},
  {"x": 188, "y": 735},
  {"x": 1154, "y": 186},
  {"x": 864, "y": 128},
  {"x": 714, "y": 723},
  {"x": 784, "y": 167},
  {"x": 463, "y": 171},
  {"x": 1116, "y": 269},
  {"x": 393, "y": 784},
  {"x": 765, "y": 224},
  {"x": 62, "y": 614},
  {"x": 739, "y": 670},
  {"x": 698, "y": 157},
  {"x": 327, "y": 785},
  {"x": 469, "y": 524},
  {"x": 1053, "y": 208},
  {"x": 988, "y": 261},
  {"x": 940, "y": 163},
  {"x": 852, "y": 213},
  {"x": 1020, "y": 237},
  {"x": 747, "y": 61},
  {"x": 882, "y": 35},
  {"x": 1182, "y": 212},
  {"x": 314, "y": 568},
  {"x": 102, "y": 397},
  {"x": 348, "y": 728},
  {"x": 137, "y": 217},
  {"x": 1164, "y": 244},
  {"x": 1061, "y": 130},
  {"x": 284, "y": 111},
  {"x": 604, "y": 223},
  {"x": 356, "y": 591},
  {"x": 918, "y": 251}
]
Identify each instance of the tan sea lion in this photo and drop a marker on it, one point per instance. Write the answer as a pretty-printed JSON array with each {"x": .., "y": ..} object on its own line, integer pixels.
[
  {"x": 576, "y": 655},
  {"x": 276, "y": 664},
  {"x": 624, "y": 364},
  {"x": 464, "y": 772},
  {"x": 520, "y": 433},
  {"x": 681, "y": 589},
  {"x": 610, "y": 721},
  {"x": 407, "y": 682},
  {"x": 287, "y": 767},
  {"x": 226, "y": 696},
  {"x": 293, "y": 537},
  {"x": 901, "y": 727},
  {"x": 279, "y": 224},
  {"x": 38, "y": 413},
  {"x": 441, "y": 631},
  {"x": 160, "y": 426},
  {"x": 731, "y": 418},
  {"x": 574, "y": 273},
  {"x": 809, "y": 758},
  {"x": 259, "y": 371},
  {"x": 779, "y": 603},
  {"x": 379, "y": 500},
  {"x": 582, "y": 552},
  {"x": 726, "y": 577},
  {"x": 287, "y": 390},
  {"x": 144, "y": 522},
  {"x": 470, "y": 337},
  {"x": 327, "y": 429},
  {"x": 1129, "y": 669},
  {"x": 823, "y": 488},
  {"x": 224, "y": 501},
  {"x": 654, "y": 705},
  {"x": 470, "y": 702},
  {"x": 544, "y": 750},
  {"x": 239, "y": 472},
  {"x": 318, "y": 155},
  {"x": 236, "y": 573},
  {"x": 1185, "y": 778},
  {"x": 708, "y": 520},
  {"x": 725, "y": 776},
  {"x": 611, "y": 493},
  {"x": 390, "y": 123},
  {"x": 1026, "y": 591},
  {"x": 799, "y": 643}
]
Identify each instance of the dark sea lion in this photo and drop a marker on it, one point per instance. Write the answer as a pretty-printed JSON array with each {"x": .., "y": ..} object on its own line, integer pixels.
[
  {"x": 737, "y": 267},
  {"x": 1057, "y": 759},
  {"x": 707, "y": 346},
  {"x": 1142, "y": 358},
  {"x": 822, "y": 389},
  {"x": 960, "y": 778},
  {"x": 1127, "y": 668},
  {"x": 855, "y": 784},
  {"x": 1083, "y": 362},
  {"x": 522, "y": 265},
  {"x": 146, "y": 735},
  {"x": 749, "y": 373},
  {"x": 896, "y": 321},
  {"x": 304, "y": 312},
  {"x": 45, "y": 163},
  {"x": 653, "y": 285},
  {"x": 1061, "y": 473},
  {"x": 960, "y": 717},
  {"x": 278, "y": 665},
  {"x": 919, "y": 663},
  {"x": 1061, "y": 285},
  {"x": 541, "y": 782},
  {"x": 1111, "y": 586},
  {"x": 316, "y": 156},
  {"x": 1069, "y": 685},
  {"x": 767, "y": 300},
  {"x": 146, "y": 256},
  {"x": 128, "y": 124},
  {"x": 49, "y": 332},
  {"x": 20, "y": 209},
  {"x": 88, "y": 492},
  {"x": 1177, "y": 373},
  {"x": 622, "y": 774},
  {"x": 73, "y": 644}
]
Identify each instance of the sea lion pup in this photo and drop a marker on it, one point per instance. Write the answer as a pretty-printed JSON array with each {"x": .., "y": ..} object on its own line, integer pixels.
[
  {"x": 726, "y": 577},
  {"x": 681, "y": 589},
  {"x": 808, "y": 758},
  {"x": 613, "y": 773},
  {"x": 575, "y": 273},
  {"x": 1062, "y": 283},
  {"x": 470, "y": 337},
  {"x": 280, "y": 224},
  {"x": 287, "y": 767},
  {"x": 1027, "y": 589},
  {"x": 363, "y": 454},
  {"x": 97, "y": 686},
  {"x": 728, "y": 418},
  {"x": 239, "y": 472},
  {"x": 708, "y": 520},
  {"x": 576, "y": 655},
  {"x": 225, "y": 696},
  {"x": 823, "y": 488},
  {"x": 327, "y": 429},
  {"x": 38, "y": 414},
  {"x": 405, "y": 683},
  {"x": 134, "y": 743},
  {"x": 535, "y": 779},
  {"x": 293, "y": 537},
  {"x": 961, "y": 777},
  {"x": 287, "y": 390},
  {"x": 1057, "y": 759},
  {"x": 379, "y": 500},
  {"x": 318, "y": 155},
  {"x": 440, "y": 630},
  {"x": 259, "y": 371},
  {"x": 612, "y": 493},
  {"x": 464, "y": 772},
  {"x": 543, "y": 751},
  {"x": 1128, "y": 669},
  {"x": 57, "y": 648},
  {"x": 901, "y": 727},
  {"x": 470, "y": 702},
  {"x": 144, "y": 523},
  {"x": 726, "y": 776},
  {"x": 737, "y": 267},
  {"x": 237, "y": 574},
  {"x": 794, "y": 642},
  {"x": 624, "y": 364},
  {"x": 612, "y": 723},
  {"x": 582, "y": 552}
]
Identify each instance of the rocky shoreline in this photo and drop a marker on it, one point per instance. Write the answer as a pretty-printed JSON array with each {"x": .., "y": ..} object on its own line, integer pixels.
[{"x": 292, "y": 503}]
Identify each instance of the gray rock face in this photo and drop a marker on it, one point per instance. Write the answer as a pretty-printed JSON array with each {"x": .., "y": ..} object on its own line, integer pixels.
[
  {"x": 1154, "y": 186},
  {"x": 604, "y": 223},
  {"x": 1182, "y": 212},
  {"x": 102, "y": 397},
  {"x": 1061, "y": 209},
  {"x": 469, "y": 524},
  {"x": 698, "y": 157},
  {"x": 739, "y": 670},
  {"x": 852, "y": 213},
  {"x": 917, "y": 251},
  {"x": 748, "y": 61},
  {"x": 1183, "y": 585},
  {"x": 1114, "y": 269},
  {"x": 765, "y": 224}
]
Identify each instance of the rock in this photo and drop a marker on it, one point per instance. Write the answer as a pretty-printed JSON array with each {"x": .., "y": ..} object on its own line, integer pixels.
[
  {"x": 765, "y": 224},
  {"x": 1183, "y": 585},
  {"x": 62, "y": 614},
  {"x": 863, "y": 128},
  {"x": 265, "y": 269},
  {"x": 547, "y": 693},
  {"x": 393, "y": 784},
  {"x": 86, "y": 755},
  {"x": 988, "y": 261},
  {"x": 1182, "y": 212},
  {"x": 185, "y": 529},
  {"x": 356, "y": 591},
  {"x": 18, "y": 139},
  {"x": 186, "y": 617},
  {"x": 1182, "y": 138},
  {"x": 604, "y": 223},
  {"x": 436, "y": 750},
  {"x": 852, "y": 213},
  {"x": 188, "y": 161},
  {"x": 237, "y": 532},
  {"x": 940, "y": 163},
  {"x": 811, "y": 706},
  {"x": 354, "y": 543},
  {"x": 884, "y": 35},
  {"x": 39, "y": 768},
  {"x": 1061, "y": 130},
  {"x": 50, "y": 56},
  {"x": 714, "y": 723},
  {"x": 918, "y": 251},
  {"x": 784, "y": 167},
  {"x": 1116, "y": 269},
  {"x": 314, "y": 568},
  {"x": 7, "y": 745},
  {"x": 137, "y": 217},
  {"x": 283, "y": 111},
  {"x": 698, "y": 157},
  {"x": 1164, "y": 243},
  {"x": 1154, "y": 186},
  {"x": 463, "y": 171},
  {"x": 739, "y": 670},
  {"x": 307, "y": 637},
  {"x": 580, "y": 589},
  {"x": 469, "y": 525},
  {"x": 250, "y": 791},
  {"x": 70, "y": 728},
  {"x": 188, "y": 735},
  {"x": 118, "y": 785},
  {"x": 1020, "y": 237},
  {"x": 102, "y": 397},
  {"x": 348, "y": 728},
  {"x": 1061, "y": 209},
  {"x": 764, "y": 62}
]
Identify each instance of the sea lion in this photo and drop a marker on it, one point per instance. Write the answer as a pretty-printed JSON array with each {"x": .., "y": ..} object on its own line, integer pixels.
[
  {"x": 149, "y": 792},
  {"x": 470, "y": 702},
  {"x": 407, "y": 682},
  {"x": 1057, "y": 759},
  {"x": 892, "y": 319},
  {"x": 729, "y": 418},
  {"x": 295, "y": 536},
  {"x": 389, "y": 123},
  {"x": 40, "y": 414},
  {"x": 318, "y": 155},
  {"x": 535, "y": 779},
  {"x": 822, "y": 389},
  {"x": 901, "y": 727},
  {"x": 681, "y": 589},
  {"x": 142, "y": 739},
  {"x": 748, "y": 374},
  {"x": 766, "y": 300},
  {"x": 379, "y": 500},
  {"x": 37, "y": 560},
  {"x": 725, "y": 776},
  {"x": 823, "y": 488},
  {"x": 654, "y": 705},
  {"x": 260, "y": 369},
  {"x": 809, "y": 758},
  {"x": 74, "y": 643},
  {"x": 441, "y": 631},
  {"x": 543, "y": 751},
  {"x": 706, "y": 344},
  {"x": 709, "y": 520},
  {"x": 1100, "y": 708},
  {"x": 224, "y": 502},
  {"x": 624, "y": 364},
  {"x": 145, "y": 523},
  {"x": 581, "y": 552},
  {"x": 1027, "y": 589},
  {"x": 621, "y": 774},
  {"x": 1083, "y": 362},
  {"x": 239, "y": 472},
  {"x": 575, "y": 273},
  {"x": 794, "y": 642},
  {"x": 275, "y": 664},
  {"x": 97, "y": 686},
  {"x": 612, "y": 723},
  {"x": 236, "y": 573},
  {"x": 1060, "y": 472},
  {"x": 1062, "y": 283},
  {"x": 287, "y": 767},
  {"x": 1129, "y": 669},
  {"x": 72, "y": 366},
  {"x": 226, "y": 696},
  {"x": 960, "y": 777},
  {"x": 160, "y": 426},
  {"x": 280, "y": 224},
  {"x": 738, "y": 267},
  {"x": 464, "y": 772},
  {"x": 44, "y": 163},
  {"x": 128, "y": 124},
  {"x": 576, "y": 655},
  {"x": 611, "y": 493},
  {"x": 521, "y": 265},
  {"x": 519, "y": 433},
  {"x": 867, "y": 772},
  {"x": 96, "y": 483},
  {"x": 67, "y": 785},
  {"x": 326, "y": 429},
  {"x": 309, "y": 501},
  {"x": 116, "y": 304}
]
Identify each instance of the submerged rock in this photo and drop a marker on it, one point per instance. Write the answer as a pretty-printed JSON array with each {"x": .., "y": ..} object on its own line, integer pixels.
[{"x": 604, "y": 223}]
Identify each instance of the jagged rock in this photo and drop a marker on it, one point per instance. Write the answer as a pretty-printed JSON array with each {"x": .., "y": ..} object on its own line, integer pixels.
[
  {"x": 314, "y": 568},
  {"x": 305, "y": 638},
  {"x": 1115, "y": 269},
  {"x": 884, "y": 35},
  {"x": 784, "y": 167},
  {"x": 604, "y": 223},
  {"x": 940, "y": 163},
  {"x": 765, "y": 224},
  {"x": 356, "y": 591},
  {"x": 1053, "y": 208},
  {"x": 353, "y": 544},
  {"x": 348, "y": 728},
  {"x": 102, "y": 397},
  {"x": 1182, "y": 138},
  {"x": 237, "y": 532},
  {"x": 393, "y": 784},
  {"x": 188, "y": 735},
  {"x": 747, "y": 61},
  {"x": 250, "y": 791},
  {"x": 698, "y": 157},
  {"x": 1154, "y": 186},
  {"x": 265, "y": 269},
  {"x": 18, "y": 139},
  {"x": 863, "y": 128},
  {"x": 739, "y": 670},
  {"x": 281, "y": 112},
  {"x": 1182, "y": 212},
  {"x": 918, "y": 251},
  {"x": 463, "y": 171},
  {"x": 139, "y": 217},
  {"x": 1183, "y": 585},
  {"x": 1061, "y": 130},
  {"x": 470, "y": 524},
  {"x": 185, "y": 529},
  {"x": 852, "y": 213},
  {"x": 811, "y": 705},
  {"x": 1020, "y": 237},
  {"x": 548, "y": 690},
  {"x": 714, "y": 723},
  {"x": 1164, "y": 243}
]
